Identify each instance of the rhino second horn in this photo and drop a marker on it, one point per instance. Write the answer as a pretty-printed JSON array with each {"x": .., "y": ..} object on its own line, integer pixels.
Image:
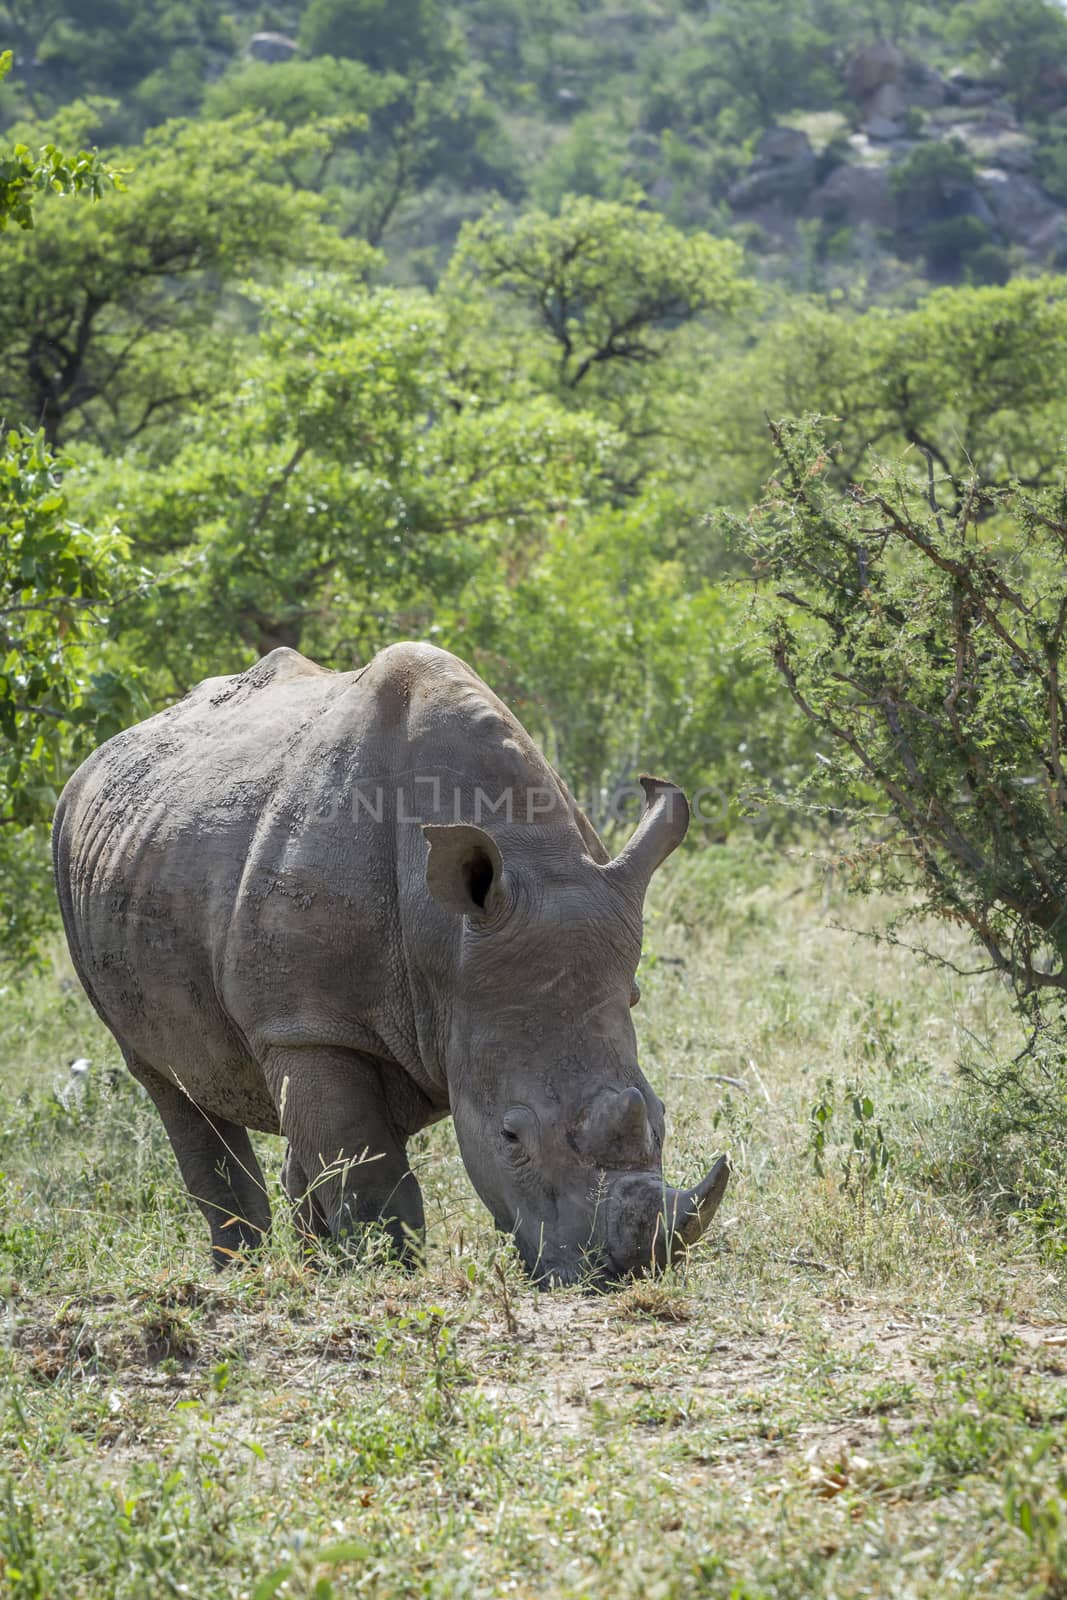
[{"x": 694, "y": 1208}]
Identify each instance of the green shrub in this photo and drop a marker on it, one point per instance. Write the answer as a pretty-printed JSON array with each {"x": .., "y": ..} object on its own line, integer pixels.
[{"x": 923, "y": 637}]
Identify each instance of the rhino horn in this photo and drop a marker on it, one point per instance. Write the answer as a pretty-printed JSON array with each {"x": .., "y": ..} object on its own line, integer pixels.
[
  {"x": 661, "y": 829},
  {"x": 691, "y": 1210}
]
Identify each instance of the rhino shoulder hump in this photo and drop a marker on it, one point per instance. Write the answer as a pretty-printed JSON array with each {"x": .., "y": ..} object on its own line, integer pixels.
[{"x": 410, "y": 657}]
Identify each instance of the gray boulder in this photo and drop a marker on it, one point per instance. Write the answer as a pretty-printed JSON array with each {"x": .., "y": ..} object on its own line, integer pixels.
[
  {"x": 963, "y": 90},
  {"x": 884, "y": 113},
  {"x": 783, "y": 170},
  {"x": 1020, "y": 208},
  {"x": 856, "y": 194},
  {"x": 923, "y": 86},
  {"x": 870, "y": 67},
  {"x": 784, "y": 144},
  {"x": 272, "y": 47},
  {"x": 885, "y": 85}
]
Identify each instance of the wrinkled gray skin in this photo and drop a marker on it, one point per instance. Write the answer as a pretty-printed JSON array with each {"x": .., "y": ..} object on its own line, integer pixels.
[{"x": 270, "y": 955}]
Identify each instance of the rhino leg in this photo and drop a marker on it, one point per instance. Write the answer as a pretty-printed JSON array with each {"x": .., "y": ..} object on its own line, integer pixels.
[
  {"x": 308, "y": 1216},
  {"x": 347, "y": 1165},
  {"x": 218, "y": 1165}
]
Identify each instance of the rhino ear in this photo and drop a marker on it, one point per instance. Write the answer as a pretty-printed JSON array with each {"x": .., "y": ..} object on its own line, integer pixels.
[{"x": 464, "y": 871}]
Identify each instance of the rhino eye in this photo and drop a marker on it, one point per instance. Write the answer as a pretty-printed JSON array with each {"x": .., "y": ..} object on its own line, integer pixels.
[{"x": 516, "y": 1128}]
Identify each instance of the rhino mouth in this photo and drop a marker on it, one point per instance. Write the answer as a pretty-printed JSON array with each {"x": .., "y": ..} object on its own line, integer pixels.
[{"x": 644, "y": 1226}]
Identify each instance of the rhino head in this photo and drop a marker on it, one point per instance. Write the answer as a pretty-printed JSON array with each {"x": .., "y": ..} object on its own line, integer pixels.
[{"x": 558, "y": 1128}]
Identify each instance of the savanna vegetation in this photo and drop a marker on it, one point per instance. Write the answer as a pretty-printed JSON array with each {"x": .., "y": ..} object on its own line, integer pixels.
[{"x": 697, "y": 371}]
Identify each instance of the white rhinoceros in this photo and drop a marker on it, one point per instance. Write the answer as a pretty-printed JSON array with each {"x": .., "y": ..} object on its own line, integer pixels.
[{"x": 342, "y": 905}]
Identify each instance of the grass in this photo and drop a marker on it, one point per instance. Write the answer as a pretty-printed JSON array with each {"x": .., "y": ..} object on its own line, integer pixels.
[{"x": 855, "y": 1387}]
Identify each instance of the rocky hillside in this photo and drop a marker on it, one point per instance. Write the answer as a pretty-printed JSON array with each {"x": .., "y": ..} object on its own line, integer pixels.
[
  {"x": 929, "y": 165},
  {"x": 867, "y": 146}
]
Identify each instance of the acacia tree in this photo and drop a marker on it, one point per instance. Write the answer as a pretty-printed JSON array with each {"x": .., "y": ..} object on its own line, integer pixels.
[
  {"x": 109, "y": 314},
  {"x": 773, "y": 61},
  {"x": 604, "y": 282},
  {"x": 342, "y": 482},
  {"x": 592, "y": 306},
  {"x": 929, "y": 650},
  {"x": 392, "y": 134}
]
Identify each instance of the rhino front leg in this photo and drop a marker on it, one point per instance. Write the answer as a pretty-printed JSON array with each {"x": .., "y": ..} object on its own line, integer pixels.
[
  {"x": 217, "y": 1163},
  {"x": 346, "y": 1165},
  {"x": 308, "y": 1217}
]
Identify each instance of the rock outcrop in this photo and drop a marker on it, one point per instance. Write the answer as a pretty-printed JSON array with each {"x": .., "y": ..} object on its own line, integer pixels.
[
  {"x": 272, "y": 47},
  {"x": 857, "y": 194},
  {"x": 1021, "y": 211},
  {"x": 885, "y": 86},
  {"x": 783, "y": 171},
  {"x": 985, "y": 187}
]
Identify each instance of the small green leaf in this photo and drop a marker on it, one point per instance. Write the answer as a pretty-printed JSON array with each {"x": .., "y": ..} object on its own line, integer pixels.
[
  {"x": 333, "y": 1555},
  {"x": 269, "y": 1586}
]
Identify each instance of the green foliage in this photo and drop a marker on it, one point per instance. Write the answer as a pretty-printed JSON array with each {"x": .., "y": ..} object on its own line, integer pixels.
[
  {"x": 934, "y": 186},
  {"x": 950, "y": 245},
  {"x": 930, "y": 173},
  {"x": 150, "y": 55},
  {"x": 589, "y": 160},
  {"x": 58, "y": 697},
  {"x": 976, "y": 376},
  {"x": 744, "y": 66},
  {"x": 108, "y": 314},
  {"x": 297, "y": 92},
  {"x": 864, "y": 1155},
  {"x": 1051, "y": 160},
  {"x": 389, "y": 135},
  {"x": 775, "y": 63},
  {"x": 1037, "y": 1507},
  {"x": 354, "y": 485},
  {"x": 926, "y": 650},
  {"x": 1024, "y": 42},
  {"x": 408, "y": 36},
  {"x": 341, "y": 484},
  {"x": 614, "y": 659},
  {"x": 602, "y": 282},
  {"x": 25, "y": 174}
]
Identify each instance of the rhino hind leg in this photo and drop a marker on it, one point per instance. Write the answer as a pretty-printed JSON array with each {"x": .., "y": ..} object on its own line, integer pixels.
[
  {"x": 218, "y": 1165},
  {"x": 346, "y": 1167}
]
